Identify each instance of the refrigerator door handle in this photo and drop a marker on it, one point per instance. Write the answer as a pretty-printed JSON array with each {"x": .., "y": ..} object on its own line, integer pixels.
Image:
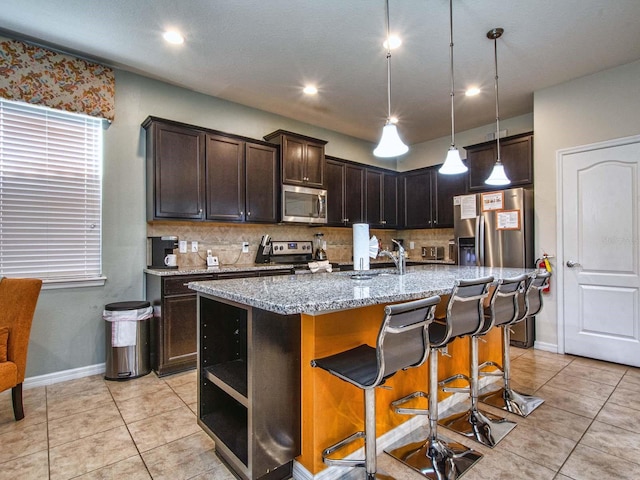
[{"x": 480, "y": 240}]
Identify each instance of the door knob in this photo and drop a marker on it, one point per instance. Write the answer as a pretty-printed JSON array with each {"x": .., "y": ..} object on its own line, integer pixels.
[{"x": 571, "y": 264}]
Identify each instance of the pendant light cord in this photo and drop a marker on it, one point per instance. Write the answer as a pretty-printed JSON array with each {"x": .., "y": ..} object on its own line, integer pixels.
[
  {"x": 388, "y": 67},
  {"x": 451, "y": 61},
  {"x": 495, "y": 55}
]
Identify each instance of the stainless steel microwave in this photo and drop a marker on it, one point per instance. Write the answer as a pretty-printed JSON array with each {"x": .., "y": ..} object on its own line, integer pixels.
[{"x": 304, "y": 205}]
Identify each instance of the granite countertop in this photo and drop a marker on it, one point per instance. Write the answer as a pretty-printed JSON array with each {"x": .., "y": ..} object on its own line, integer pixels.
[
  {"x": 165, "y": 272},
  {"x": 323, "y": 292}
]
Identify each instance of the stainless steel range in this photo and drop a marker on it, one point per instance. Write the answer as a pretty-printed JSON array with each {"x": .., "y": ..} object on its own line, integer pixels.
[{"x": 294, "y": 252}]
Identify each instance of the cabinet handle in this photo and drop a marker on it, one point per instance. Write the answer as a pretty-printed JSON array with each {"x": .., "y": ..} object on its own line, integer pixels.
[
  {"x": 241, "y": 212},
  {"x": 383, "y": 222},
  {"x": 248, "y": 214},
  {"x": 435, "y": 221},
  {"x": 200, "y": 211}
]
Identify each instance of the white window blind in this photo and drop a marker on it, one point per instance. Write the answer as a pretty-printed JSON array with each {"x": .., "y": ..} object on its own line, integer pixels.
[{"x": 50, "y": 193}]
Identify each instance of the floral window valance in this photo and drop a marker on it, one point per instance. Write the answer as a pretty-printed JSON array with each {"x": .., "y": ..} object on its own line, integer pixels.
[{"x": 39, "y": 76}]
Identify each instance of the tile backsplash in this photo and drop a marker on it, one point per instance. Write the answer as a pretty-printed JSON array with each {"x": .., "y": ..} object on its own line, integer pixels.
[{"x": 225, "y": 239}]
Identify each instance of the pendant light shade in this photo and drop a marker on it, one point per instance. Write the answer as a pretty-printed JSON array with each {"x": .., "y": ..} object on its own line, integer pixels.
[
  {"x": 453, "y": 163},
  {"x": 498, "y": 175},
  {"x": 391, "y": 145}
]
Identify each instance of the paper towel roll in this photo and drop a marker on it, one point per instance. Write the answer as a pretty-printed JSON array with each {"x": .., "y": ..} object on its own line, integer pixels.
[{"x": 361, "y": 246}]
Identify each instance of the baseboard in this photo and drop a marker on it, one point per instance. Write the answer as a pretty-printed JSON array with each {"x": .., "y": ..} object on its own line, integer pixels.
[
  {"x": 547, "y": 347},
  {"x": 384, "y": 441},
  {"x": 64, "y": 375}
]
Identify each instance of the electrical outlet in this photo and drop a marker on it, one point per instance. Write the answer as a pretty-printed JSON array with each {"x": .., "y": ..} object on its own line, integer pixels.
[
  {"x": 183, "y": 246},
  {"x": 194, "y": 247},
  {"x": 245, "y": 247},
  {"x": 412, "y": 245}
]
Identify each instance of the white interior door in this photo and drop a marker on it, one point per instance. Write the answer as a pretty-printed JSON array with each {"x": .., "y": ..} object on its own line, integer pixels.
[{"x": 601, "y": 246}]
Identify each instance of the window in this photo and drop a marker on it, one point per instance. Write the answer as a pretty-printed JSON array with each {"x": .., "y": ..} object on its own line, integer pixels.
[{"x": 50, "y": 195}]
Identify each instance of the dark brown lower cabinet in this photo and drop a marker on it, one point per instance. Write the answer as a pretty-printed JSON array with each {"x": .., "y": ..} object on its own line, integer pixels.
[{"x": 174, "y": 343}]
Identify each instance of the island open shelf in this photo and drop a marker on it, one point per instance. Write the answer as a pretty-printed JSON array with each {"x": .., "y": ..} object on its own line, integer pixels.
[{"x": 249, "y": 387}]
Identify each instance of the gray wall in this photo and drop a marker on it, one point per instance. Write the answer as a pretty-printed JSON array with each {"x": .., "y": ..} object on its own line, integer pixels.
[
  {"x": 68, "y": 330},
  {"x": 587, "y": 110}
]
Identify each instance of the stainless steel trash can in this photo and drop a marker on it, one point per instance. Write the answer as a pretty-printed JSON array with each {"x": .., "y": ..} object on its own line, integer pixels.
[{"x": 127, "y": 339}]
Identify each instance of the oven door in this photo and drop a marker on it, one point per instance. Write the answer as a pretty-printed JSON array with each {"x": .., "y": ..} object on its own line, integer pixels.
[{"x": 304, "y": 205}]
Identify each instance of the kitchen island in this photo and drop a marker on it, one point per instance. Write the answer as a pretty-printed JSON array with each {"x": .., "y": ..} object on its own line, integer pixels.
[{"x": 258, "y": 396}]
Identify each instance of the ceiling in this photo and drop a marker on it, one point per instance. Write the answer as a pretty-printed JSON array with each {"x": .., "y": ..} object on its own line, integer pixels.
[{"x": 261, "y": 53}]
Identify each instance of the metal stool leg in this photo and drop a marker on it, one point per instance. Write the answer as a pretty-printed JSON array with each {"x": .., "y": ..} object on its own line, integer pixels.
[
  {"x": 369, "y": 435},
  {"x": 482, "y": 426},
  {"x": 506, "y": 398},
  {"x": 436, "y": 458}
]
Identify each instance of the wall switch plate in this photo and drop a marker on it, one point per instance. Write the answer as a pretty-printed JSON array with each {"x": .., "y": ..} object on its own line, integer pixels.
[
  {"x": 194, "y": 247},
  {"x": 245, "y": 247},
  {"x": 412, "y": 245},
  {"x": 209, "y": 253},
  {"x": 183, "y": 246}
]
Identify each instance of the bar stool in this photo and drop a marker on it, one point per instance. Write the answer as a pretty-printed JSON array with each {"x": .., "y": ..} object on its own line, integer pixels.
[
  {"x": 513, "y": 305},
  {"x": 402, "y": 343},
  {"x": 474, "y": 423},
  {"x": 436, "y": 457}
]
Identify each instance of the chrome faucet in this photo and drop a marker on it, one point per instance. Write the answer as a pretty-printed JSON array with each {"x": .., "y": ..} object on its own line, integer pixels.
[{"x": 400, "y": 260}]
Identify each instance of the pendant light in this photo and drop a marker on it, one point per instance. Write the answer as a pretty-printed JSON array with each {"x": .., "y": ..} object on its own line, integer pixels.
[
  {"x": 498, "y": 175},
  {"x": 390, "y": 143},
  {"x": 453, "y": 163}
]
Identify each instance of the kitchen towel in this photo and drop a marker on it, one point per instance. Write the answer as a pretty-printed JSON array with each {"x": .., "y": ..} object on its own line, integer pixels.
[
  {"x": 361, "y": 246},
  {"x": 321, "y": 266}
]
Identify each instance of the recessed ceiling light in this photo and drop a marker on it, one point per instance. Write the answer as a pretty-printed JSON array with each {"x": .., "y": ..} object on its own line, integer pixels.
[
  {"x": 392, "y": 42},
  {"x": 310, "y": 90},
  {"x": 174, "y": 37},
  {"x": 472, "y": 91},
  {"x": 393, "y": 120}
]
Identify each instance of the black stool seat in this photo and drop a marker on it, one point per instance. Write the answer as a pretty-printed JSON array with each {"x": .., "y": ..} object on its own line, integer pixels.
[{"x": 358, "y": 366}]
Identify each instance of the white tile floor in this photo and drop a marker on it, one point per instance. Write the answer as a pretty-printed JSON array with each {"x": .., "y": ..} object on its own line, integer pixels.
[{"x": 587, "y": 429}]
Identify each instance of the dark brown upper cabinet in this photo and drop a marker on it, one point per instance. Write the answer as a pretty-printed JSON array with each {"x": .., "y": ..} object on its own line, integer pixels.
[
  {"x": 242, "y": 180},
  {"x": 345, "y": 192},
  {"x": 175, "y": 171},
  {"x": 381, "y": 199},
  {"x": 201, "y": 174},
  {"x": 302, "y": 158},
  {"x": 428, "y": 197},
  {"x": 516, "y": 153}
]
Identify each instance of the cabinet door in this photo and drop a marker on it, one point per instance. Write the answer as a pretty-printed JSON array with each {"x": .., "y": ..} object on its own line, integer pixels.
[
  {"x": 225, "y": 178},
  {"x": 293, "y": 156},
  {"x": 417, "y": 199},
  {"x": 447, "y": 187},
  {"x": 177, "y": 155},
  {"x": 374, "y": 198},
  {"x": 261, "y": 164},
  {"x": 335, "y": 192},
  {"x": 354, "y": 194},
  {"x": 179, "y": 337},
  {"x": 314, "y": 165},
  {"x": 390, "y": 207},
  {"x": 516, "y": 154}
]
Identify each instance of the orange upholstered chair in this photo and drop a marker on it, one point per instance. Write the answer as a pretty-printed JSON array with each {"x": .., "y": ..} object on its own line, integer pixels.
[{"x": 18, "y": 298}]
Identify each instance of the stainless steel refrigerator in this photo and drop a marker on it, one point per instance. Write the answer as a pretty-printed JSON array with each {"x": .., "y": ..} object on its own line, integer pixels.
[{"x": 496, "y": 229}]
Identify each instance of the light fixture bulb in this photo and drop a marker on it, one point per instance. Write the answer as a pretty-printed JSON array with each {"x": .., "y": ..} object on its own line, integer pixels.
[
  {"x": 310, "y": 90},
  {"x": 453, "y": 163},
  {"x": 498, "y": 175},
  {"x": 392, "y": 42},
  {"x": 173, "y": 37},
  {"x": 472, "y": 92},
  {"x": 390, "y": 143}
]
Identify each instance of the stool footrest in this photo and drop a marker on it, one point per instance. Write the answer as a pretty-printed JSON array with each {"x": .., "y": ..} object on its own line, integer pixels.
[
  {"x": 453, "y": 378},
  {"x": 479, "y": 425},
  {"x": 396, "y": 404},
  {"x": 343, "y": 462}
]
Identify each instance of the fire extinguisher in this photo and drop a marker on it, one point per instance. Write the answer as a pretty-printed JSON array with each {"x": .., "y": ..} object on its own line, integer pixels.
[{"x": 543, "y": 264}]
